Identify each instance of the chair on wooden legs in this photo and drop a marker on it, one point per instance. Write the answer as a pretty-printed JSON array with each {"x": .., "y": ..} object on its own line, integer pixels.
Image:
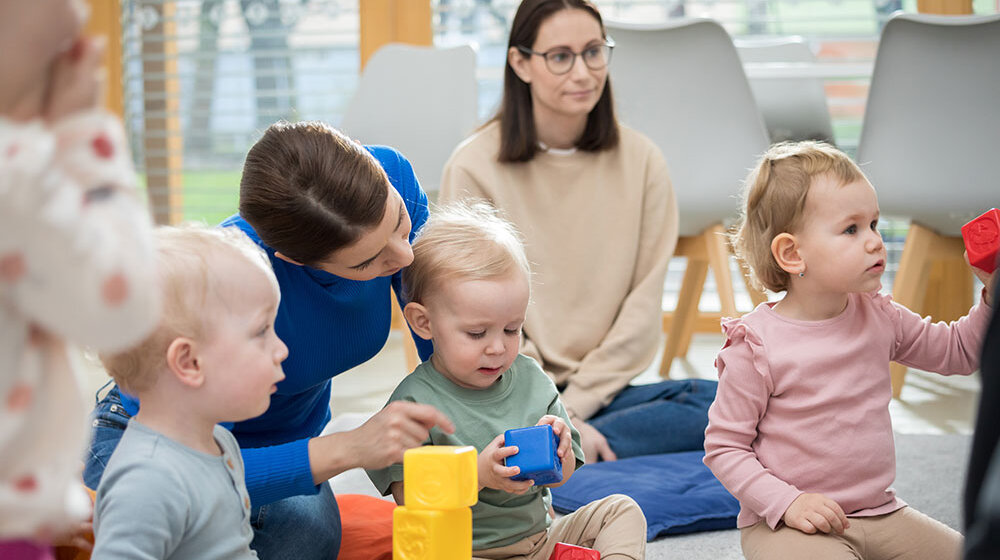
[
  {"x": 682, "y": 84},
  {"x": 928, "y": 145}
]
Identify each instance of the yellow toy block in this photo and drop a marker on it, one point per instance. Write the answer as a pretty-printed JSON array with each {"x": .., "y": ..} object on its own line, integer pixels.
[
  {"x": 426, "y": 534},
  {"x": 440, "y": 477}
]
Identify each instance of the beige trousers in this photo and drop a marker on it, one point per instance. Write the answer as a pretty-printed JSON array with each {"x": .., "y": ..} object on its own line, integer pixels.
[
  {"x": 905, "y": 534},
  {"x": 614, "y": 526}
]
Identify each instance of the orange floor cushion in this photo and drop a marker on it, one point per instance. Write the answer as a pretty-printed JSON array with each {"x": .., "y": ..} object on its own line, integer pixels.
[{"x": 366, "y": 527}]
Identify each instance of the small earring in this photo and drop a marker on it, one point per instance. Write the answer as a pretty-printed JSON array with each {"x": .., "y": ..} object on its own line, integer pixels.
[{"x": 802, "y": 274}]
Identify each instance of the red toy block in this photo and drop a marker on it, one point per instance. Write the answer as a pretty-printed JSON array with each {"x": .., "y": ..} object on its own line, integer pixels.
[
  {"x": 982, "y": 240},
  {"x": 565, "y": 551}
]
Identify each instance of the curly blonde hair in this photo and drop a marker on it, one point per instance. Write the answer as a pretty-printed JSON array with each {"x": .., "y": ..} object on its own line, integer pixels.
[{"x": 774, "y": 198}]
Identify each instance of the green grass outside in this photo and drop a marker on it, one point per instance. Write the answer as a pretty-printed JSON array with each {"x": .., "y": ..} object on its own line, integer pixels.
[{"x": 209, "y": 196}]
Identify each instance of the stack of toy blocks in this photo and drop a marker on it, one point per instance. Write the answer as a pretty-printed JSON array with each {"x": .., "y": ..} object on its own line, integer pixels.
[
  {"x": 440, "y": 484},
  {"x": 536, "y": 454}
]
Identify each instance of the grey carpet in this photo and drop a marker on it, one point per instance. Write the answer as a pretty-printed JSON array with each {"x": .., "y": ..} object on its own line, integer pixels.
[{"x": 930, "y": 474}]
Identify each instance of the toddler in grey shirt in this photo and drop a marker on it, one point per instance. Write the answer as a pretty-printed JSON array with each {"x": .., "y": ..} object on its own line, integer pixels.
[{"x": 174, "y": 487}]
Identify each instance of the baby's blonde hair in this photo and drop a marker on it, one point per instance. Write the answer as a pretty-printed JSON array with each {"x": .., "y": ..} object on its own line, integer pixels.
[
  {"x": 466, "y": 240},
  {"x": 774, "y": 199},
  {"x": 189, "y": 259}
]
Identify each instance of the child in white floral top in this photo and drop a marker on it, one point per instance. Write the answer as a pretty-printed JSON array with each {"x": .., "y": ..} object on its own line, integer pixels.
[{"x": 75, "y": 262}]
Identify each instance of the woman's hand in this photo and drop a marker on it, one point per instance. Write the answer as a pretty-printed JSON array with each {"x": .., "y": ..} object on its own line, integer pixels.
[
  {"x": 493, "y": 473},
  {"x": 815, "y": 512},
  {"x": 378, "y": 443},
  {"x": 76, "y": 81},
  {"x": 595, "y": 445}
]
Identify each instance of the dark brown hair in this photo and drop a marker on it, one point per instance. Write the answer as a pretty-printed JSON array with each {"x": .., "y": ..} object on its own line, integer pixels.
[
  {"x": 518, "y": 136},
  {"x": 308, "y": 190}
]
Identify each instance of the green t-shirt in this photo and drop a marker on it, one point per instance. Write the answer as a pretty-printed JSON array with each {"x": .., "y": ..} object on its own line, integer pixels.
[{"x": 518, "y": 399}]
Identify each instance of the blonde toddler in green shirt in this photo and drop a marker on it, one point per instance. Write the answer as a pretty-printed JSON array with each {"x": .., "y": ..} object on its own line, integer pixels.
[{"x": 468, "y": 289}]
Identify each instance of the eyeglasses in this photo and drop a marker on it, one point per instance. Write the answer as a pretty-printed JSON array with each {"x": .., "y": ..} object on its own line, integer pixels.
[{"x": 561, "y": 60}]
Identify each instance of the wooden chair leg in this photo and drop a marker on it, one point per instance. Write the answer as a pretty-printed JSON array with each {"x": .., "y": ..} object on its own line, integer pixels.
[
  {"x": 398, "y": 322},
  {"x": 911, "y": 285},
  {"x": 716, "y": 249},
  {"x": 685, "y": 315},
  {"x": 410, "y": 351},
  {"x": 932, "y": 279}
]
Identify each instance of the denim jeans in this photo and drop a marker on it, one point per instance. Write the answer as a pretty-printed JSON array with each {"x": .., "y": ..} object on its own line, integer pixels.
[
  {"x": 299, "y": 528},
  {"x": 663, "y": 417}
]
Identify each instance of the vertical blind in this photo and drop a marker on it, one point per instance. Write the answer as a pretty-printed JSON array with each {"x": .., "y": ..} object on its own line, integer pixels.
[{"x": 203, "y": 78}]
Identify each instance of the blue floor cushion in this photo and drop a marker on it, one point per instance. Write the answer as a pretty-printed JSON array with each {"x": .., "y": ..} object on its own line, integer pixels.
[{"x": 676, "y": 491}]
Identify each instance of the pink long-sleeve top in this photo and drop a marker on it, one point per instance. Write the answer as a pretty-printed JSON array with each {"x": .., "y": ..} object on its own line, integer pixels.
[{"x": 803, "y": 406}]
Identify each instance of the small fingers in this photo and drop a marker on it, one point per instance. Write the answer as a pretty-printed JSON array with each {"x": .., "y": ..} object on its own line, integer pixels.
[
  {"x": 838, "y": 511},
  {"x": 819, "y": 521},
  {"x": 507, "y": 451},
  {"x": 547, "y": 419},
  {"x": 518, "y": 487},
  {"x": 505, "y": 472}
]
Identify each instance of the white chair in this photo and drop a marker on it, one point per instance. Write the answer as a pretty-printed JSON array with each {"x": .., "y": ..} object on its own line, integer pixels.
[
  {"x": 929, "y": 143},
  {"x": 421, "y": 101},
  {"x": 682, "y": 84},
  {"x": 793, "y": 108}
]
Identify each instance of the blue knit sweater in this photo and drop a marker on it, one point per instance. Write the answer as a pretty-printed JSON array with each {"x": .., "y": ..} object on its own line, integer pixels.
[{"x": 330, "y": 325}]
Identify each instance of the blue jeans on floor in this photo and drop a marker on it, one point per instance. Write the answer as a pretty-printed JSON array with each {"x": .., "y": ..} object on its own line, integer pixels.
[
  {"x": 296, "y": 528},
  {"x": 663, "y": 417}
]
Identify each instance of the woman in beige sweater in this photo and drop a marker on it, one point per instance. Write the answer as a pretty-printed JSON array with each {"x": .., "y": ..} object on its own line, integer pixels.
[{"x": 594, "y": 203}]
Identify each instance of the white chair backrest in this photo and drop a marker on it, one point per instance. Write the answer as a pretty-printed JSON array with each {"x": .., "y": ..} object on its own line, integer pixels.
[
  {"x": 682, "y": 84},
  {"x": 932, "y": 123},
  {"x": 793, "y": 108},
  {"x": 420, "y": 100}
]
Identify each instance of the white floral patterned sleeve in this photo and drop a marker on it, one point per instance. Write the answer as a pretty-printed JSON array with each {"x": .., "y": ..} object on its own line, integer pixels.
[{"x": 76, "y": 266}]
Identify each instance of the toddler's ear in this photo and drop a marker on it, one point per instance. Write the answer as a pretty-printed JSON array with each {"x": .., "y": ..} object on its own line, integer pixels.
[
  {"x": 416, "y": 316},
  {"x": 182, "y": 360},
  {"x": 785, "y": 249}
]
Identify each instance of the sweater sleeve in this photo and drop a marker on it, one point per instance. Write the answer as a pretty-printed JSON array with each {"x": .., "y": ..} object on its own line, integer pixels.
[
  {"x": 744, "y": 390},
  {"x": 83, "y": 236},
  {"x": 630, "y": 345},
  {"x": 950, "y": 349},
  {"x": 278, "y": 472}
]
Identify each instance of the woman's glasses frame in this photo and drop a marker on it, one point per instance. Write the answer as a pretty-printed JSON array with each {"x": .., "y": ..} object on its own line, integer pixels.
[{"x": 594, "y": 64}]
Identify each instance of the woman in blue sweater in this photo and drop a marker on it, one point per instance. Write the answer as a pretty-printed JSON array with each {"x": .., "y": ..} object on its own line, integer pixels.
[{"x": 336, "y": 220}]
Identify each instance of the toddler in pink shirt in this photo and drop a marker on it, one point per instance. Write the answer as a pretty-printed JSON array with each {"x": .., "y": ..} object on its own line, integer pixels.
[{"x": 800, "y": 430}]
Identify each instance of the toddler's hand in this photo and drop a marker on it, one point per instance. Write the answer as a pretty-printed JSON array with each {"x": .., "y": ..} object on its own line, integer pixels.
[
  {"x": 493, "y": 473},
  {"x": 76, "y": 81},
  {"x": 987, "y": 278},
  {"x": 815, "y": 512},
  {"x": 561, "y": 430}
]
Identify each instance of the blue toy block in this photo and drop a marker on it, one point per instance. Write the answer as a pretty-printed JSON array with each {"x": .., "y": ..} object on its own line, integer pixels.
[{"x": 536, "y": 454}]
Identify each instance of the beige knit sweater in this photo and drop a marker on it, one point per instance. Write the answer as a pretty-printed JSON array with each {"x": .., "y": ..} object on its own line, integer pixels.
[{"x": 599, "y": 229}]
